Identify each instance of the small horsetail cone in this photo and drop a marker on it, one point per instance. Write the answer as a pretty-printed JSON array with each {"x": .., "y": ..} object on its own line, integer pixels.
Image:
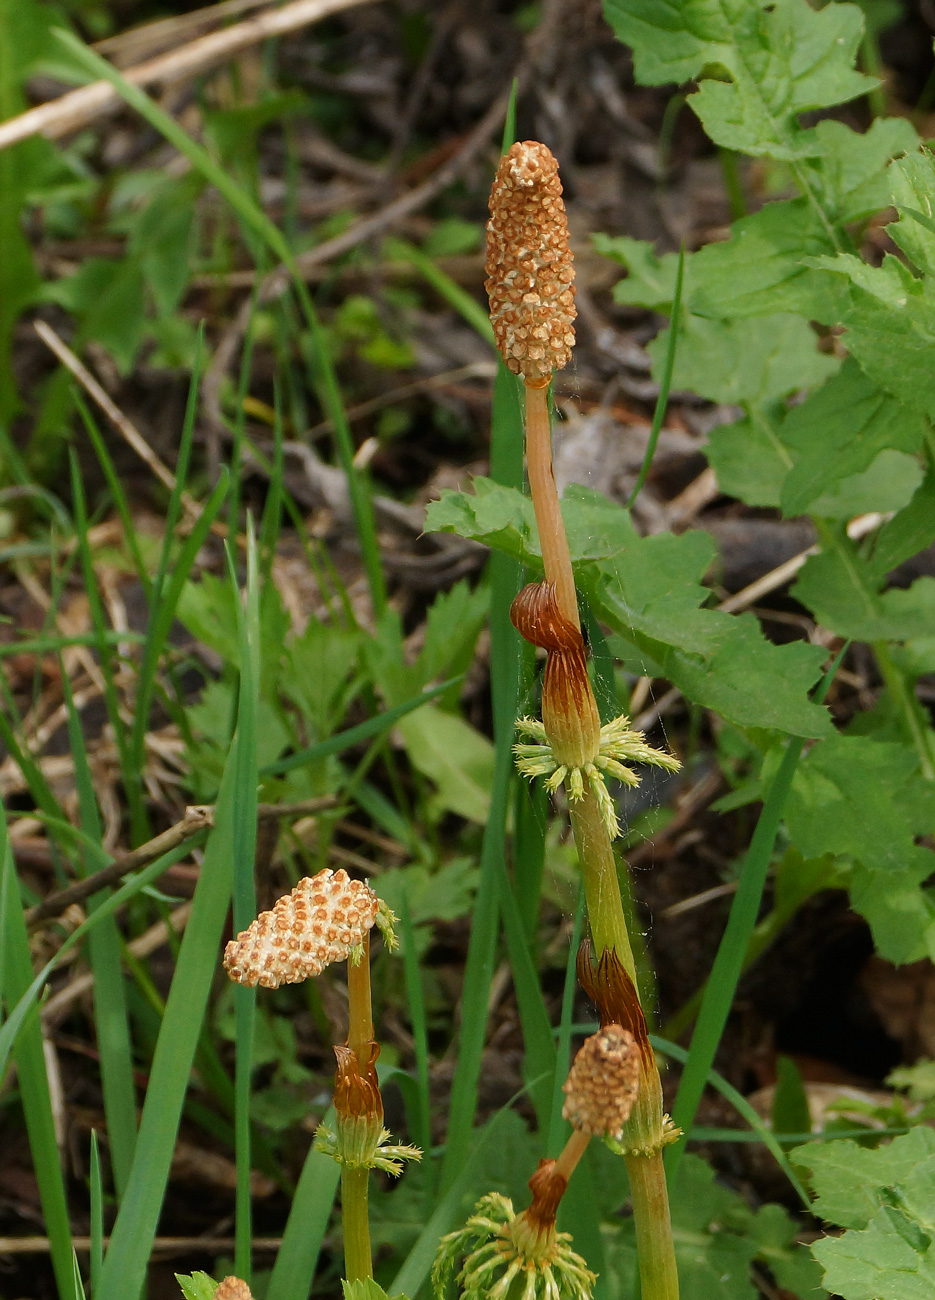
[
  {"x": 529, "y": 265},
  {"x": 232, "y": 1288},
  {"x": 323, "y": 920},
  {"x": 603, "y": 1083}
]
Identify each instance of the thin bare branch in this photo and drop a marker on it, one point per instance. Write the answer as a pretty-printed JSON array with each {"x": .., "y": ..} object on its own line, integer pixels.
[{"x": 78, "y": 107}]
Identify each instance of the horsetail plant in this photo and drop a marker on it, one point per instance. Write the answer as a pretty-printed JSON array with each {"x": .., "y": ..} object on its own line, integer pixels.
[
  {"x": 327, "y": 918},
  {"x": 530, "y": 282}
]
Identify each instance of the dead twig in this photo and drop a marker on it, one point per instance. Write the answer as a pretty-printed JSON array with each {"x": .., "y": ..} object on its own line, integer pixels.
[
  {"x": 78, "y": 107},
  {"x": 197, "y": 818}
]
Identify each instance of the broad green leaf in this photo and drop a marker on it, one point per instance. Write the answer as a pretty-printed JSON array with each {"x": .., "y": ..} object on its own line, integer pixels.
[
  {"x": 886, "y": 485},
  {"x": 749, "y": 459},
  {"x": 862, "y": 797},
  {"x": 885, "y": 1197},
  {"x": 838, "y": 431},
  {"x": 738, "y": 361},
  {"x": 836, "y": 586},
  {"x": 907, "y": 533},
  {"x": 751, "y": 681},
  {"x": 780, "y": 60},
  {"x": 199, "y": 1286},
  {"x": 107, "y": 297},
  {"x": 651, "y": 279},
  {"x": 455, "y": 757},
  {"x": 898, "y": 909},
  {"x": 850, "y": 177},
  {"x": 912, "y": 185},
  {"x": 848, "y": 1179},
  {"x": 717, "y": 1239},
  {"x": 890, "y": 327},
  {"x": 502, "y": 518},
  {"x": 892, "y": 1259},
  {"x": 760, "y": 270},
  {"x": 649, "y": 591}
]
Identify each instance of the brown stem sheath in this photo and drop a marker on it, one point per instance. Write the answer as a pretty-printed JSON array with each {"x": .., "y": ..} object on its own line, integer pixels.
[{"x": 556, "y": 557}]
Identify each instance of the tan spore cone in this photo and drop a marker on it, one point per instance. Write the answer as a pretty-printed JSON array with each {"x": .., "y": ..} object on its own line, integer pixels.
[
  {"x": 603, "y": 1083},
  {"x": 322, "y": 920},
  {"x": 529, "y": 264},
  {"x": 232, "y": 1288}
]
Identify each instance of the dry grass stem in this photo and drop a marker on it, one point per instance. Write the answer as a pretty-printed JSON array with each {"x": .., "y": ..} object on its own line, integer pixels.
[
  {"x": 78, "y": 107},
  {"x": 128, "y": 431},
  {"x": 141, "y": 947}
]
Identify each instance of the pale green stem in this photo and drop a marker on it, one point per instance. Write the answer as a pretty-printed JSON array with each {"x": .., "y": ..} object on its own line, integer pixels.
[
  {"x": 355, "y": 1216},
  {"x": 601, "y": 886},
  {"x": 658, "y": 1276},
  {"x": 656, "y": 1250},
  {"x": 358, "y": 1259}
]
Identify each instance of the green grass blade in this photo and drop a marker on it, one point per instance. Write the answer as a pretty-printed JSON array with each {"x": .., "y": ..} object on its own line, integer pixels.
[
  {"x": 27, "y": 1001},
  {"x": 559, "y": 1128},
  {"x": 506, "y": 466},
  {"x": 245, "y": 815},
  {"x": 161, "y": 618},
  {"x": 743, "y": 1107},
  {"x": 15, "y": 977},
  {"x": 96, "y": 1184},
  {"x": 728, "y": 964},
  {"x": 422, "y": 1129},
  {"x": 341, "y": 740},
  {"x": 131, "y": 1240},
  {"x": 665, "y": 383},
  {"x": 99, "y": 622},
  {"x": 539, "y": 1065},
  {"x": 291, "y": 1278},
  {"x": 111, "y": 1017},
  {"x": 256, "y": 223},
  {"x": 467, "y": 306},
  {"x": 118, "y": 496}
]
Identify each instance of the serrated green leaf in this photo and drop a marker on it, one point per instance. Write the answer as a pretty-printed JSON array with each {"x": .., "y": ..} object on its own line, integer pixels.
[
  {"x": 900, "y": 913},
  {"x": 717, "y": 1239},
  {"x": 848, "y": 1180},
  {"x": 887, "y": 484},
  {"x": 760, "y": 270},
  {"x": 838, "y": 431},
  {"x": 502, "y": 518},
  {"x": 649, "y": 591},
  {"x": 890, "y": 327},
  {"x": 866, "y": 798},
  {"x": 912, "y": 185},
  {"x": 199, "y": 1286},
  {"x": 365, "y": 1288},
  {"x": 651, "y": 280},
  {"x": 780, "y": 60},
  {"x": 885, "y": 1197},
  {"x": 850, "y": 177},
  {"x": 836, "y": 587},
  {"x": 907, "y": 533},
  {"x": 455, "y": 757},
  {"x": 749, "y": 459},
  {"x": 739, "y": 361},
  {"x": 877, "y": 1264}
]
